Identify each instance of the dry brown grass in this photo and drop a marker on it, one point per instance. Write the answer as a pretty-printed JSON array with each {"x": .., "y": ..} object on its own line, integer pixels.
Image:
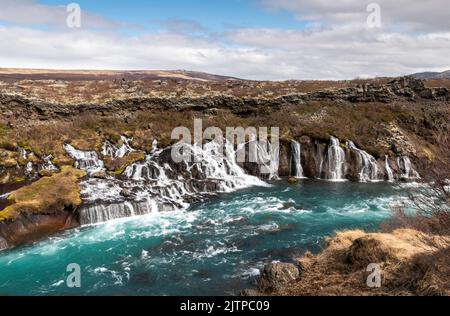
[{"x": 404, "y": 258}]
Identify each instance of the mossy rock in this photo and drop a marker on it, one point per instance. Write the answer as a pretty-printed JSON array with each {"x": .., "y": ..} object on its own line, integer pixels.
[
  {"x": 63, "y": 160},
  {"x": 8, "y": 159},
  {"x": 116, "y": 166},
  {"x": 8, "y": 163},
  {"x": 46, "y": 173},
  {"x": 49, "y": 194}
]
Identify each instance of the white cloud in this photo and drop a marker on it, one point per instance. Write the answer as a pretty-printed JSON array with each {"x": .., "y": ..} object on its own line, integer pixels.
[
  {"x": 414, "y": 15},
  {"x": 29, "y": 12},
  {"x": 332, "y": 51},
  {"x": 350, "y": 50}
]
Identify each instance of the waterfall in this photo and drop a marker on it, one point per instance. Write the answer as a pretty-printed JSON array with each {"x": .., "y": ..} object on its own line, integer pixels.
[
  {"x": 23, "y": 153},
  {"x": 334, "y": 164},
  {"x": 109, "y": 149},
  {"x": 406, "y": 169},
  {"x": 29, "y": 168},
  {"x": 389, "y": 172},
  {"x": 154, "y": 145},
  {"x": 85, "y": 160},
  {"x": 296, "y": 160},
  {"x": 99, "y": 213},
  {"x": 159, "y": 184},
  {"x": 268, "y": 158},
  {"x": 368, "y": 166},
  {"x": 48, "y": 164}
]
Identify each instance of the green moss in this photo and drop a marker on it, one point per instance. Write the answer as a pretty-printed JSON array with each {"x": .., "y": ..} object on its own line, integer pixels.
[{"x": 49, "y": 194}]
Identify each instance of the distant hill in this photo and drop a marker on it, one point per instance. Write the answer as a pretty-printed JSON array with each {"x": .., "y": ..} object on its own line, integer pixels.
[
  {"x": 15, "y": 74},
  {"x": 432, "y": 75}
]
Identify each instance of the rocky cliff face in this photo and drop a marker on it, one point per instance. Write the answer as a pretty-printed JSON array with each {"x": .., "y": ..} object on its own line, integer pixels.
[
  {"x": 334, "y": 161},
  {"x": 19, "y": 108}
]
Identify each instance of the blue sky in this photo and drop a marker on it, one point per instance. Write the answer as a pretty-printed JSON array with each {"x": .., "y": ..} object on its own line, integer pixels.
[{"x": 215, "y": 15}]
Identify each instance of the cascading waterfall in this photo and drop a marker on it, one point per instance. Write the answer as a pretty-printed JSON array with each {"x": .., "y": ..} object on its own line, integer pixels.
[
  {"x": 85, "y": 160},
  {"x": 33, "y": 165},
  {"x": 25, "y": 155},
  {"x": 367, "y": 164},
  {"x": 268, "y": 156},
  {"x": 113, "y": 151},
  {"x": 29, "y": 168},
  {"x": 98, "y": 213},
  {"x": 48, "y": 164},
  {"x": 159, "y": 184},
  {"x": 334, "y": 164},
  {"x": 389, "y": 172},
  {"x": 154, "y": 145},
  {"x": 406, "y": 169},
  {"x": 296, "y": 163}
]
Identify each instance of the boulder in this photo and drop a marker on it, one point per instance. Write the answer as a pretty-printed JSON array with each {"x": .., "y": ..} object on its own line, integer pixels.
[
  {"x": 292, "y": 180},
  {"x": 287, "y": 206},
  {"x": 99, "y": 175},
  {"x": 3, "y": 244},
  {"x": 250, "y": 293},
  {"x": 274, "y": 276},
  {"x": 46, "y": 173},
  {"x": 125, "y": 193}
]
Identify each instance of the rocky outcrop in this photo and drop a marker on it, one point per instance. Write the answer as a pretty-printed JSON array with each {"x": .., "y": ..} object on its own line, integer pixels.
[
  {"x": 42, "y": 208},
  {"x": 31, "y": 227},
  {"x": 275, "y": 276},
  {"x": 3, "y": 244},
  {"x": 401, "y": 88}
]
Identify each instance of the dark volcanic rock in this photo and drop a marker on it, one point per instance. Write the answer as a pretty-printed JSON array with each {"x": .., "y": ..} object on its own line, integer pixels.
[
  {"x": 284, "y": 168},
  {"x": 250, "y": 293},
  {"x": 276, "y": 275}
]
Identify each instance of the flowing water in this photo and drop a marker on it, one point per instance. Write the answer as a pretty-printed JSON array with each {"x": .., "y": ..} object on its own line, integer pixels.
[
  {"x": 335, "y": 161},
  {"x": 213, "y": 248},
  {"x": 296, "y": 163}
]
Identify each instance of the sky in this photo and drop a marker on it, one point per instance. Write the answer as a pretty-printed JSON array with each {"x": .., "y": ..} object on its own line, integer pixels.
[{"x": 252, "y": 39}]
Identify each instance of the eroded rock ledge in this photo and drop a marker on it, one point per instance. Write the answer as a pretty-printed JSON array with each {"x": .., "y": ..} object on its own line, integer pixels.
[{"x": 15, "y": 106}]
